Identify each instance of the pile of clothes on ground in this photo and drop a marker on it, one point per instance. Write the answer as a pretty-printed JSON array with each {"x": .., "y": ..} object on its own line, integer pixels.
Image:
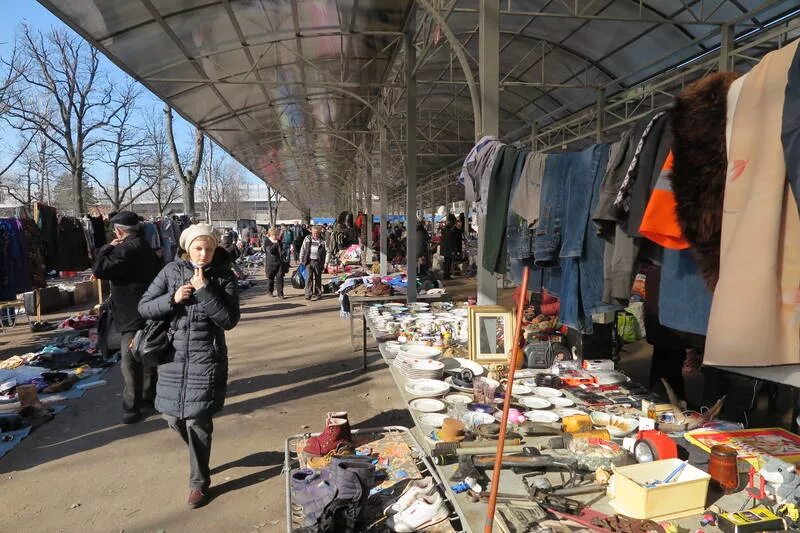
[{"x": 63, "y": 369}]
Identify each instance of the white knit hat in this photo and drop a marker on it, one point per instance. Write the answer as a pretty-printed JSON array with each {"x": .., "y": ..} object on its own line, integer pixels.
[{"x": 198, "y": 230}]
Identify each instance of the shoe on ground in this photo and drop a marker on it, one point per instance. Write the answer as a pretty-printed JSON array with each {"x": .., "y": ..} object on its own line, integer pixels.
[
  {"x": 197, "y": 498},
  {"x": 413, "y": 491},
  {"x": 314, "y": 298},
  {"x": 131, "y": 417},
  {"x": 422, "y": 513},
  {"x": 308, "y": 297},
  {"x": 337, "y": 431},
  {"x": 281, "y": 296}
]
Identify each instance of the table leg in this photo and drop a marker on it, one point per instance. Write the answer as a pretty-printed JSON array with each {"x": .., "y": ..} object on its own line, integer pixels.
[
  {"x": 364, "y": 337},
  {"x": 352, "y": 327}
]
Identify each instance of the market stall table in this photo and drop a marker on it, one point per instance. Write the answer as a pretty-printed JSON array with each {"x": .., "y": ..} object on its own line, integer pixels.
[
  {"x": 473, "y": 514},
  {"x": 361, "y": 301}
]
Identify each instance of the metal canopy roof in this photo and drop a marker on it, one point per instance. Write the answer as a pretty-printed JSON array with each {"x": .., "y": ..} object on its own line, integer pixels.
[{"x": 297, "y": 89}]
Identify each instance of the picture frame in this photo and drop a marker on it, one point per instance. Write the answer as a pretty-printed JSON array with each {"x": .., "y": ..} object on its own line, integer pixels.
[{"x": 484, "y": 347}]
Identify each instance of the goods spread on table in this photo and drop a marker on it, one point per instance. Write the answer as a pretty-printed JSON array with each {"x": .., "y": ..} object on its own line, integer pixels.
[{"x": 586, "y": 448}]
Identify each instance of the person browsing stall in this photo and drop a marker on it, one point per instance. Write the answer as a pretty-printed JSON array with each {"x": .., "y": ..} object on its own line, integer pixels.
[
  {"x": 130, "y": 265},
  {"x": 312, "y": 254}
]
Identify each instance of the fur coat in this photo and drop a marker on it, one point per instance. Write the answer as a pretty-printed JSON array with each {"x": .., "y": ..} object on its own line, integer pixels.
[{"x": 698, "y": 180}]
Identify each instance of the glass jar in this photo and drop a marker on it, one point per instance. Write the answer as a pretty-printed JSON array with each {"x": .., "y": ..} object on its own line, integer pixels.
[{"x": 723, "y": 468}]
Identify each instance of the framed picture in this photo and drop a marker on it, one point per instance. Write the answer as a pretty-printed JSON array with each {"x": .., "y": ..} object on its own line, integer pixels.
[{"x": 491, "y": 333}]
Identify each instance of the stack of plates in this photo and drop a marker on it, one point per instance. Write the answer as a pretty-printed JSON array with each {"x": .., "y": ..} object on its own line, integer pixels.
[
  {"x": 419, "y": 368},
  {"x": 426, "y": 388}
]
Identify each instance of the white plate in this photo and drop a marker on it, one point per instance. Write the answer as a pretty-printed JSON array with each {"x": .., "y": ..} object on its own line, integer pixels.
[
  {"x": 426, "y": 388},
  {"x": 560, "y": 401},
  {"x": 547, "y": 392},
  {"x": 432, "y": 419},
  {"x": 521, "y": 390},
  {"x": 427, "y": 405},
  {"x": 541, "y": 416},
  {"x": 419, "y": 352},
  {"x": 460, "y": 312},
  {"x": 534, "y": 402},
  {"x": 453, "y": 365},
  {"x": 570, "y": 412},
  {"x": 458, "y": 398}
]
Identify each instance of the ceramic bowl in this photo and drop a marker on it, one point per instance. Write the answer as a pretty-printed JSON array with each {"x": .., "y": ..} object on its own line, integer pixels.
[
  {"x": 419, "y": 352},
  {"x": 426, "y": 388},
  {"x": 481, "y": 408},
  {"x": 393, "y": 346},
  {"x": 458, "y": 398},
  {"x": 621, "y": 426},
  {"x": 453, "y": 365},
  {"x": 427, "y": 405},
  {"x": 600, "y": 419}
]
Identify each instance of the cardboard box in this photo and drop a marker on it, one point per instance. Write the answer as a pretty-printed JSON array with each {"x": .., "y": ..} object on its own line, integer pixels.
[
  {"x": 684, "y": 496},
  {"x": 86, "y": 292}
]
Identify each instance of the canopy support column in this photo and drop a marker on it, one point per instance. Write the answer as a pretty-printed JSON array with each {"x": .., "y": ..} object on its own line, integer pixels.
[
  {"x": 368, "y": 221},
  {"x": 489, "y": 68},
  {"x": 411, "y": 162},
  {"x": 384, "y": 169},
  {"x": 600, "y": 123},
  {"x": 727, "y": 39}
]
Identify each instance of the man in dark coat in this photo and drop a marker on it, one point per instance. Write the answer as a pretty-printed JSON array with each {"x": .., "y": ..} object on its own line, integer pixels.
[
  {"x": 130, "y": 265},
  {"x": 449, "y": 244}
]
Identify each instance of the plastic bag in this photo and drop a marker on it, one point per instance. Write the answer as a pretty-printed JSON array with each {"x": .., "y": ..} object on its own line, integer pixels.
[
  {"x": 627, "y": 327},
  {"x": 298, "y": 278}
]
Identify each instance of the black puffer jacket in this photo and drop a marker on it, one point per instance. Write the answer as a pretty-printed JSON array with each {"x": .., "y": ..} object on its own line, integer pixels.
[
  {"x": 130, "y": 267},
  {"x": 194, "y": 379}
]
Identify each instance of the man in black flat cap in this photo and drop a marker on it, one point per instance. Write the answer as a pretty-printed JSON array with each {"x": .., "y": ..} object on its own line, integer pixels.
[{"x": 130, "y": 265}]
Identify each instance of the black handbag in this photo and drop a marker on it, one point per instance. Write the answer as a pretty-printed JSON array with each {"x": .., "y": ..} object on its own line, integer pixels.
[{"x": 151, "y": 343}]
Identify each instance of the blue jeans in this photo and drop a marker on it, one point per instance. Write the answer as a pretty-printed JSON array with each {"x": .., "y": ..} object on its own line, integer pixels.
[
  {"x": 582, "y": 250},
  {"x": 684, "y": 302},
  {"x": 579, "y": 188},
  {"x": 547, "y": 240}
]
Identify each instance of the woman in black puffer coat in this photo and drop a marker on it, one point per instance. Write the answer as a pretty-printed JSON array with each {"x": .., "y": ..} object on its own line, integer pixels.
[{"x": 199, "y": 296}]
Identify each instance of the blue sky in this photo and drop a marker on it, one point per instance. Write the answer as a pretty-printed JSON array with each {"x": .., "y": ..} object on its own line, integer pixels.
[{"x": 15, "y": 12}]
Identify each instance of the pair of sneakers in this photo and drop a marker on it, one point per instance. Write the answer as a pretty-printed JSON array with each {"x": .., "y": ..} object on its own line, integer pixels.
[{"x": 419, "y": 506}]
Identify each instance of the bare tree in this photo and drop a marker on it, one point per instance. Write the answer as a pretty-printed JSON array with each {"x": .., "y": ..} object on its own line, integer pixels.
[
  {"x": 189, "y": 177},
  {"x": 65, "y": 99},
  {"x": 273, "y": 203},
  {"x": 122, "y": 152},
  {"x": 157, "y": 170},
  {"x": 9, "y": 92}
]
